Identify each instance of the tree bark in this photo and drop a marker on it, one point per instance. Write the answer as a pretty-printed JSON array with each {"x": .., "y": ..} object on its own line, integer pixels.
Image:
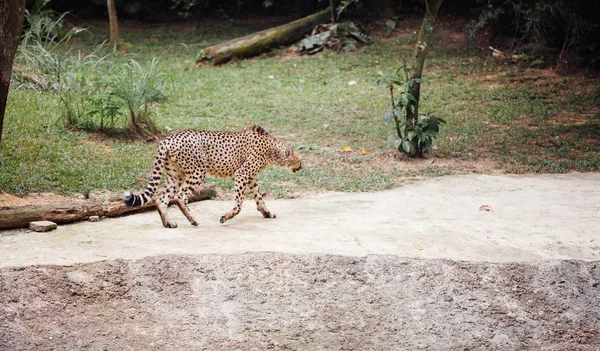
[
  {"x": 113, "y": 21},
  {"x": 257, "y": 43},
  {"x": 418, "y": 61},
  {"x": 11, "y": 24}
]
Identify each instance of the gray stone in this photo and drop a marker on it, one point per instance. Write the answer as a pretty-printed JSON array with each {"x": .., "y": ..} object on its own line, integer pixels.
[
  {"x": 94, "y": 219},
  {"x": 42, "y": 226}
]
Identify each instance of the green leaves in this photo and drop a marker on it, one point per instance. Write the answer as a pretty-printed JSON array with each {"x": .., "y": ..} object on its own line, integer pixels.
[
  {"x": 405, "y": 100},
  {"x": 409, "y": 136},
  {"x": 389, "y": 117},
  {"x": 387, "y": 79},
  {"x": 406, "y": 146},
  {"x": 432, "y": 124},
  {"x": 412, "y": 139},
  {"x": 41, "y": 58}
]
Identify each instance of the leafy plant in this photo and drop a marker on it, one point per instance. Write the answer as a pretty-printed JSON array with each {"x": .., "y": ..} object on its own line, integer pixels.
[
  {"x": 40, "y": 60},
  {"x": 93, "y": 90},
  {"x": 103, "y": 110},
  {"x": 80, "y": 79},
  {"x": 137, "y": 87},
  {"x": 43, "y": 24},
  {"x": 411, "y": 136},
  {"x": 488, "y": 15}
]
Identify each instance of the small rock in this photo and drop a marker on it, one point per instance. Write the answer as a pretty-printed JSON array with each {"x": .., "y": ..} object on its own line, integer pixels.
[
  {"x": 94, "y": 219},
  {"x": 42, "y": 226}
]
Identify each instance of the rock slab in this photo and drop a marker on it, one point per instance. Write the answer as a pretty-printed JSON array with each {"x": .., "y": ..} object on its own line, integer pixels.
[{"x": 42, "y": 226}]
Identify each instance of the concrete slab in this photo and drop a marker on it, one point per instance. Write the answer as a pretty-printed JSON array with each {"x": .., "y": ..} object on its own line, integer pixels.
[{"x": 533, "y": 218}]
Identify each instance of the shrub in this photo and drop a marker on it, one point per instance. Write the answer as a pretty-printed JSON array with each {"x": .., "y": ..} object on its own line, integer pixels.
[
  {"x": 95, "y": 91},
  {"x": 137, "y": 87},
  {"x": 39, "y": 64},
  {"x": 412, "y": 136}
]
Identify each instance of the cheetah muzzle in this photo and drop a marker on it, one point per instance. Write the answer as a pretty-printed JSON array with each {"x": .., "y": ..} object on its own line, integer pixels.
[{"x": 187, "y": 157}]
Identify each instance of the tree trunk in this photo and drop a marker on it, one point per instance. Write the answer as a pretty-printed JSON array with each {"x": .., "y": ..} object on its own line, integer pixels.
[
  {"x": 256, "y": 43},
  {"x": 11, "y": 24},
  {"x": 113, "y": 21},
  {"x": 418, "y": 61}
]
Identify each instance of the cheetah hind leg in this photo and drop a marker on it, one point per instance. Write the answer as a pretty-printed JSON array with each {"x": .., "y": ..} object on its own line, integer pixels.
[
  {"x": 189, "y": 186},
  {"x": 173, "y": 183},
  {"x": 260, "y": 203}
]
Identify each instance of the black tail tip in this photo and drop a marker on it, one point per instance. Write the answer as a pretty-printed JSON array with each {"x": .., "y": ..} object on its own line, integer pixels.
[{"x": 128, "y": 198}]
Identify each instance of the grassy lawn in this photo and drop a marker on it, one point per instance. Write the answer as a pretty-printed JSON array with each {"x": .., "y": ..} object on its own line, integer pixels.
[{"x": 501, "y": 118}]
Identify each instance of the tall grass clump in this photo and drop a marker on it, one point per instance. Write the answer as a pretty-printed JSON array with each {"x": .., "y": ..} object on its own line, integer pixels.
[
  {"x": 81, "y": 92},
  {"x": 40, "y": 61},
  {"x": 137, "y": 87},
  {"x": 96, "y": 92}
]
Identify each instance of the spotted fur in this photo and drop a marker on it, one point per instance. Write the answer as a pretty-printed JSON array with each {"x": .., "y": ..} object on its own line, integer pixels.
[{"x": 188, "y": 156}]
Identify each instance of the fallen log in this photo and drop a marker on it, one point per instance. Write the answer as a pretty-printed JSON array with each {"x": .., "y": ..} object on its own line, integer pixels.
[
  {"x": 254, "y": 44},
  {"x": 115, "y": 207},
  {"x": 19, "y": 216}
]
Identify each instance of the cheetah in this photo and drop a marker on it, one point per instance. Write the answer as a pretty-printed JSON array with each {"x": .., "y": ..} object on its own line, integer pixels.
[{"x": 190, "y": 155}]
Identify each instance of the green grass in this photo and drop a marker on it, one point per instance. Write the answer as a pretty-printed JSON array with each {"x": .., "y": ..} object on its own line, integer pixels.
[{"x": 307, "y": 103}]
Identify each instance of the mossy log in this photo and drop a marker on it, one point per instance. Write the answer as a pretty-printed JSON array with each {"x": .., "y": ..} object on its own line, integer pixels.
[
  {"x": 254, "y": 44},
  {"x": 77, "y": 210}
]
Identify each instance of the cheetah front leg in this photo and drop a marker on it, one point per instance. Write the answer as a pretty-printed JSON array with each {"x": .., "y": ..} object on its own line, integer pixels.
[
  {"x": 240, "y": 186},
  {"x": 260, "y": 203}
]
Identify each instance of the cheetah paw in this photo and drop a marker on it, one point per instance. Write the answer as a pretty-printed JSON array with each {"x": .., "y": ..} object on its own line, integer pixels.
[
  {"x": 269, "y": 215},
  {"x": 170, "y": 224}
]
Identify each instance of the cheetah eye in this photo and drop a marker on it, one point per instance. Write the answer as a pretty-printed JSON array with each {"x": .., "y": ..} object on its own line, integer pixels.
[{"x": 288, "y": 152}]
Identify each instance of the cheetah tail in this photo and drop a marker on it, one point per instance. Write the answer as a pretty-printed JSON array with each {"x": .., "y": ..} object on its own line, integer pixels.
[{"x": 140, "y": 199}]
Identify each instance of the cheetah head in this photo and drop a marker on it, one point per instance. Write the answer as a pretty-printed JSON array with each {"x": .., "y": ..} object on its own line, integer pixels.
[{"x": 292, "y": 161}]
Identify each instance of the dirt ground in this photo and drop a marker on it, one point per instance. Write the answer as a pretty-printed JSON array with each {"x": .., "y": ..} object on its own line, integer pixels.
[
  {"x": 268, "y": 301},
  {"x": 332, "y": 272}
]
